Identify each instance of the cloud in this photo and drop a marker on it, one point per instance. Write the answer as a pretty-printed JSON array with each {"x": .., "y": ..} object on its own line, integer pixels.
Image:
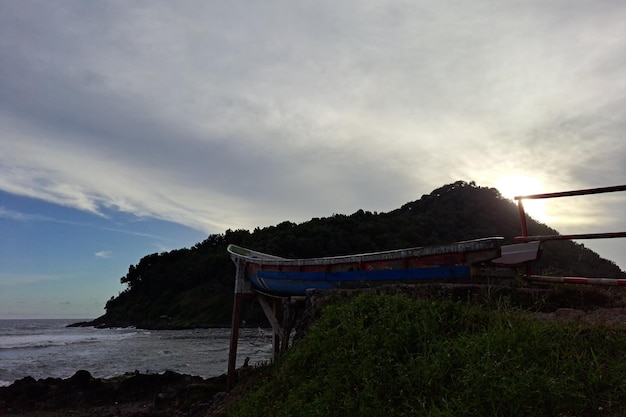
[
  {"x": 21, "y": 279},
  {"x": 105, "y": 254},
  {"x": 219, "y": 115},
  {"x": 19, "y": 216}
]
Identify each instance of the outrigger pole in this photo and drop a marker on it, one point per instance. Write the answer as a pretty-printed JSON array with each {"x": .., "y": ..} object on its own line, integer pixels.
[{"x": 543, "y": 238}]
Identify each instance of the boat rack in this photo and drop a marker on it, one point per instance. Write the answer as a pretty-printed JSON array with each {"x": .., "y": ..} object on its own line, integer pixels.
[
  {"x": 280, "y": 285},
  {"x": 280, "y": 312}
]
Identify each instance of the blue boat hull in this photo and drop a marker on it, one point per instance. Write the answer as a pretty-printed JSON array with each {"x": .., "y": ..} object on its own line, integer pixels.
[{"x": 297, "y": 283}]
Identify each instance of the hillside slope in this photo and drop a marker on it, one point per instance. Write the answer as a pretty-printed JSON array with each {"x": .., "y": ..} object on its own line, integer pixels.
[{"x": 193, "y": 287}]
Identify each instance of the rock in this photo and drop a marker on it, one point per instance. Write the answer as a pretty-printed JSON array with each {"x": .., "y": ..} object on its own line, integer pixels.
[
  {"x": 80, "y": 378},
  {"x": 569, "y": 313},
  {"x": 156, "y": 394}
]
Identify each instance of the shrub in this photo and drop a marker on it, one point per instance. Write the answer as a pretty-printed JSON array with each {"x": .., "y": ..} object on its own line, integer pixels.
[{"x": 381, "y": 355}]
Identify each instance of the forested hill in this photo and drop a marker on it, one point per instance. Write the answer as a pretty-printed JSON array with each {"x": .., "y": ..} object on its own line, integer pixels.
[{"x": 194, "y": 287}]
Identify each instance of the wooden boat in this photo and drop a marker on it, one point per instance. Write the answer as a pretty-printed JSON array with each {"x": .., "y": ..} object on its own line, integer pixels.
[{"x": 289, "y": 277}]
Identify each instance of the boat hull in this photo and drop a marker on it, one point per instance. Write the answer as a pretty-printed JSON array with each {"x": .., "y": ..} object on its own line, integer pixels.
[
  {"x": 292, "y": 277},
  {"x": 297, "y": 283}
]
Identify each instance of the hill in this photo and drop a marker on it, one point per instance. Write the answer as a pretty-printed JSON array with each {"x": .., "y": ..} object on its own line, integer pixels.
[{"x": 193, "y": 287}]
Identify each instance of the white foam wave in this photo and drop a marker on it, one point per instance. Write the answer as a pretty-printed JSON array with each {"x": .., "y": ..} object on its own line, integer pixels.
[{"x": 50, "y": 340}]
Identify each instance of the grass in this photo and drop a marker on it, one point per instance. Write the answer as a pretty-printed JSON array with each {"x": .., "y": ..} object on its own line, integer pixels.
[{"x": 383, "y": 355}]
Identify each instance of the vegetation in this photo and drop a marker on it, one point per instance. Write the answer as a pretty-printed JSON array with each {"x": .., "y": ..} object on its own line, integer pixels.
[
  {"x": 382, "y": 355},
  {"x": 193, "y": 287}
]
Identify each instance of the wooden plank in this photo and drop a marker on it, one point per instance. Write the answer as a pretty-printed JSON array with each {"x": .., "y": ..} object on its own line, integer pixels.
[
  {"x": 234, "y": 340},
  {"x": 518, "y": 253}
]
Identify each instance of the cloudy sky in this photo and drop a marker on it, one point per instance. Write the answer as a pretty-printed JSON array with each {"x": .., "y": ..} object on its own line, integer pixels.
[{"x": 133, "y": 127}]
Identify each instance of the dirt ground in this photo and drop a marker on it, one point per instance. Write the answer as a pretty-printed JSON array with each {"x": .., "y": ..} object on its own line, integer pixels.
[{"x": 598, "y": 317}]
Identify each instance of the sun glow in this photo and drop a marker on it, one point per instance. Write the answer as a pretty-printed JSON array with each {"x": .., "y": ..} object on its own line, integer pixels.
[{"x": 514, "y": 185}]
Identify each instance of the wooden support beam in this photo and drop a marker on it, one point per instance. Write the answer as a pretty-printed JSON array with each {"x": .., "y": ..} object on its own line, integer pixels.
[
  {"x": 290, "y": 311},
  {"x": 278, "y": 337},
  {"x": 269, "y": 313},
  {"x": 274, "y": 314}
]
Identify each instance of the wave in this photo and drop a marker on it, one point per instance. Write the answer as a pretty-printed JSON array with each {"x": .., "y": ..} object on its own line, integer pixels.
[
  {"x": 105, "y": 353},
  {"x": 38, "y": 341},
  {"x": 10, "y": 328}
]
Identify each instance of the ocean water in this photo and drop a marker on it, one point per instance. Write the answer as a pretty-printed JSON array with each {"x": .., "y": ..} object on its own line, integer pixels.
[{"x": 47, "y": 348}]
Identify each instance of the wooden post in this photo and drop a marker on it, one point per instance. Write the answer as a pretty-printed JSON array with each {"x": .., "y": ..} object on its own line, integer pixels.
[
  {"x": 242, "y": 291},
  {"x": 290, "y": 310}
]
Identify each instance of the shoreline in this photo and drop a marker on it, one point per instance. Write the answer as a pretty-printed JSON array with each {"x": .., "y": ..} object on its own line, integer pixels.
[
  {"x": 133, "y": 394},
  {"x": 161, "y": 324}
]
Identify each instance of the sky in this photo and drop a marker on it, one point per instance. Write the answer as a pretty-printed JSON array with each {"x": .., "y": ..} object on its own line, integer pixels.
[{"x": 133, "y": 127}]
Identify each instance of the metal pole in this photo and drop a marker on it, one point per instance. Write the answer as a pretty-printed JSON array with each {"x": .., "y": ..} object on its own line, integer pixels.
[
  {"x": 579, "y": 280},
  {"x": 587, "y": 191},
  {"x": 522, "y": 217}
]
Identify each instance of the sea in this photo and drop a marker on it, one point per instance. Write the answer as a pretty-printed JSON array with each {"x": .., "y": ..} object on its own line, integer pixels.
[{"x": 48, "y": 348}]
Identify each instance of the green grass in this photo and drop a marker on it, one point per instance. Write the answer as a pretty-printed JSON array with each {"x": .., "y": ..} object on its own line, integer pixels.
[{"x": 381, "y": 355}]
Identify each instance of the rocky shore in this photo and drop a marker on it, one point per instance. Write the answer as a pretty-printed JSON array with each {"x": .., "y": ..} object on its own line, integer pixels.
[{"x": 134, "y": 394}]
